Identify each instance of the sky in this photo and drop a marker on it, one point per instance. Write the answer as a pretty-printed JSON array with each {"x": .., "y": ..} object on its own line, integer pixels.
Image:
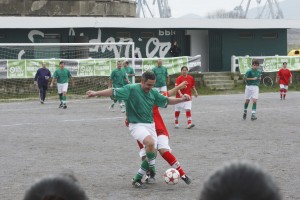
[{"x": 203, "y": 7}]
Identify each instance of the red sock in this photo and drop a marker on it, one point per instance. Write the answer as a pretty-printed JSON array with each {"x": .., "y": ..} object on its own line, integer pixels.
[
  {"x": 189, "y": 116},
  {"x": 170, "y": 158},
  {"x": 281, "y": 93},
  {"x": 284, "y": 93},
  {"x": 177, "y": 113}
]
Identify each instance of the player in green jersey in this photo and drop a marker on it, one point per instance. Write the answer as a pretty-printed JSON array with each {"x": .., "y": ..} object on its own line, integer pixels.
[
  {"x": 162, "y": 77},
  {"x": 62, "y": 75},
  {"x": 129, "y": 71},
  {"x": 140, "y": 99},
  {"x": 118, "y": 79},
  {"x": 252, "y": 78}
]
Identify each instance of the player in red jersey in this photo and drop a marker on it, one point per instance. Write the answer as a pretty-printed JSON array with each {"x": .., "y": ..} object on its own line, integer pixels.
[
  {"x": 284, "y": 77},
  {"x": 163, "y": 141},
  {"x": 187, "y": 106}
]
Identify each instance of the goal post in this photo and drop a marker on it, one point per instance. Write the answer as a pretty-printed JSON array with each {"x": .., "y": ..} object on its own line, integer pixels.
[{"x": 89, "y": 63}]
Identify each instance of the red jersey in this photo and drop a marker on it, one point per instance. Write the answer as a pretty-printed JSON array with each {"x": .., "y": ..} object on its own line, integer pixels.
[
  {"x": 284, "y": 76},
  {"x": 188, "y": 89},
  {"x": 160, "y": 127}
]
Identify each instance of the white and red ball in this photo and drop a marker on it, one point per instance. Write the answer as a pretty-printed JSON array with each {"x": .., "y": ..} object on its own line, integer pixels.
[{"x": 171, "y": 176}]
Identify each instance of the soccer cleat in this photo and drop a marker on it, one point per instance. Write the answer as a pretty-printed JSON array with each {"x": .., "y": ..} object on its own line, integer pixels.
[
  {"x": 60, "y": 105},
  {"x": 138, "y": 184},
  {"x": 122, "y": 108},
  {"x": 177, "y": 126},
  {"x": 64, "y": 106},
  {"x": 111, "y": 107},
  {"x": 244, "y": 115},
  {"x": 189, "y": 126},
  {"x": 150, "y": 178},
  {"x": 186, "y": 179},
  {"x": 253, "y": 117},
  {"x": 42, "y": 102}
]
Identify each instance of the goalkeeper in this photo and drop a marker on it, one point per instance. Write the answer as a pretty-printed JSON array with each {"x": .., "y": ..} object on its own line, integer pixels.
[{"x": 41, "y": 79}]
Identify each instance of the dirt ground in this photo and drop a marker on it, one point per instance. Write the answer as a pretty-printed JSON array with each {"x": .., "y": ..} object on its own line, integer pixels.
[{"x": 39, "y": 140}]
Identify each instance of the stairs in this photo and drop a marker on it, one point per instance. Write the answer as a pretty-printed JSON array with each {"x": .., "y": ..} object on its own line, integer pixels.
[{"x": 218, "y": 80}]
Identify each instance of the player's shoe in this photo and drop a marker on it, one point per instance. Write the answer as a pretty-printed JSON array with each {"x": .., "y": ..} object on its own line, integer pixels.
[
  {"x": 122, "y": 108},
  {"x": 189, "y": 126},
  {"x": 60, "y": 105},
  {"x": 176, "y": 126},
  {"x": 186, "y": 179},
  {"x": 253, "y": 117},
  {"x": 150, "y": 178},
  {"x": 42, "y": 102},
  {"x": 138, "y": 184},
  {"x": 64, "y": 106},
  {"x": 244, "y": 115}
]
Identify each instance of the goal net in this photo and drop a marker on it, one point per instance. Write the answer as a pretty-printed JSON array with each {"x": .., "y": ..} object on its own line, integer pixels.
[{"x": 90, "y": 65}]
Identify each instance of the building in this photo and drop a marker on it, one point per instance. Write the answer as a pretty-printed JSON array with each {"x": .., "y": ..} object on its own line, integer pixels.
[{"x": 216, "y": 40}]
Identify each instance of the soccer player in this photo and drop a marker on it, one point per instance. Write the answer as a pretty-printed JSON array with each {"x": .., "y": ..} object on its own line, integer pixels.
[
  {"x": 140, "y": 99},
  {"x": 252, "y": 78},
  {"x": 62, "y": 75},
  {"x": 284, "y": 77},
  {"x": 187, "y": 106},
  {"x": 118, "y": 79},
  {"x": 163, "y": 137},
  {"x": 240, "y": 180},
  {"x": 129, "y": 71},
  {"x": 41, "y": 79},
  {"x": 162, "y": 77}
]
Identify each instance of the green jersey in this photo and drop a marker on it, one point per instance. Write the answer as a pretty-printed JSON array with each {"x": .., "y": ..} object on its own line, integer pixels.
[
  {"x": 129, "y": 70},
  {"x": 139, "y": 104},
  {"x": 161, "y": 74},
  {"x": 118, "y": 77},
  {"x": 252, "y": 74},
  {"x": 62, "y": 75}
]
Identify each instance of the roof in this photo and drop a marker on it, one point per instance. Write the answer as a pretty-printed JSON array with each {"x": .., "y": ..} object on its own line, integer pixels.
[{"x": 113, "y": 22}]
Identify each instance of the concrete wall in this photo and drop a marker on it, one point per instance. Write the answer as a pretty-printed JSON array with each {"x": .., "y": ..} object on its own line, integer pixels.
[{"x": 105, "y": 8}]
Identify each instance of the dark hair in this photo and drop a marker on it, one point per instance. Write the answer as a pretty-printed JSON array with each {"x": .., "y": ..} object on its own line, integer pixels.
[
  {"x": 255, "y": 62},
  {"x": 148, "y": 75},
  {"x": 184, "y": 67},
  {"x": 240, "y": 181},
  {"x": 284, "y": 63},
  {"x": 61, "y": 62},
  {"x": 56, "y": 188}
]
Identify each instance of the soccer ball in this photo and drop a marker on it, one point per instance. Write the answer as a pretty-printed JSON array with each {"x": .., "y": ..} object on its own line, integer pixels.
[{"x": 171, "y": 176}]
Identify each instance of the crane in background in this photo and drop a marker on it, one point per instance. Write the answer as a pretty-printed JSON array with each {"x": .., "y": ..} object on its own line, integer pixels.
[
  {"x": 145, "y": 10},
  {"x": 270, "y": 9}
]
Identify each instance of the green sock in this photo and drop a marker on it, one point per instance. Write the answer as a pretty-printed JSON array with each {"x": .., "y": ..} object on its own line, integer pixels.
[
  {"x": 60, "y": 96},
  {"x": 143, "y": 169},
  {"x": 64, "y": 99},
  {"x": 254, "y": 108},
  {"x": 151, "y": 159},
  {"x": 246, "y": 107}
]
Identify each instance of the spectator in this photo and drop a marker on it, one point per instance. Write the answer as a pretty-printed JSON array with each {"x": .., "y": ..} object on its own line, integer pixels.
[{"x": 240, "y": 180}]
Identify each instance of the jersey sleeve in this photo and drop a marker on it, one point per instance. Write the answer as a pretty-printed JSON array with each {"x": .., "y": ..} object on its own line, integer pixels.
[
  {"x": 122, "y": 93},
  {"x": 160, "y": 100}
]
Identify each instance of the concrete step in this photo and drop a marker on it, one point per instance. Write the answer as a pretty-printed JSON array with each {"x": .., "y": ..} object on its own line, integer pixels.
[
  {"x": 219, "y": 82},
  {"x": 220, "y": 86},
  {"x": 217, "y": 74},
  {"x": 217, "y": 77}
]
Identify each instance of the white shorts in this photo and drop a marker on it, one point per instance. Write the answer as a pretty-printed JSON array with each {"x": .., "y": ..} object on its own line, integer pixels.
[
  {"x": 140, "y": 131},
  {"x": 251, "y": 91},
  {"x": 286, "y": 87},
  {"x": 186, "y": 105},
  {"x": 62, "y": 87},
  {"x": 161, "y": 89},
  {"x": 162, "y": 143}
]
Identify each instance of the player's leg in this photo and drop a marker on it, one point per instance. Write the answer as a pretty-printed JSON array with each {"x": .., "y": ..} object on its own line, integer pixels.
[
  {"x": 254, "y": 100},
  {"x": 41, "y": 92},
  {"x": 246, "y": 104},
  {"x": 177, "y": 113},
  {"x": 285, "y": 89},
  {"x": 45, "y": 88},
  {"x": 144, "y": 133},
  {"x": 281, "y": 86},
  {"x": 188, "y": 113},
  {"x": 165, "y": 152},
  {"x": 60, "y": 94},
  {"x": 64, "y": 96}
]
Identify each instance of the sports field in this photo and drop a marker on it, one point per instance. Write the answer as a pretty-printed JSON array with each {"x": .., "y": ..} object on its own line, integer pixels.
[{"x": 38, "y": 140}]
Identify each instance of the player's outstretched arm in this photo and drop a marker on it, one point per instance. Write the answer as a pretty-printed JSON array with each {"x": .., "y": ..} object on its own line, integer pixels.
[
  {"x": 176, "y": 88},
  {"x": 173, "y": 100},
  {"x": 104, "y": 93}
]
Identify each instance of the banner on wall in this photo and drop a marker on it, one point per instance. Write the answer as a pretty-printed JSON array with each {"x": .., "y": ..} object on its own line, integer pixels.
[
  {"x": 94, "y": 67},
  {"x": 269, "y": 64}
]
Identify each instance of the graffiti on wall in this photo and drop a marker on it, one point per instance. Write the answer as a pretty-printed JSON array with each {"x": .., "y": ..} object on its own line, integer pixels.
[{"x": 154, "y": 47}]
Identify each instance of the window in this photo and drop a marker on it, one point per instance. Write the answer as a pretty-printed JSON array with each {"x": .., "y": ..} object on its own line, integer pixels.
[{"x": 123, "y": 35}]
